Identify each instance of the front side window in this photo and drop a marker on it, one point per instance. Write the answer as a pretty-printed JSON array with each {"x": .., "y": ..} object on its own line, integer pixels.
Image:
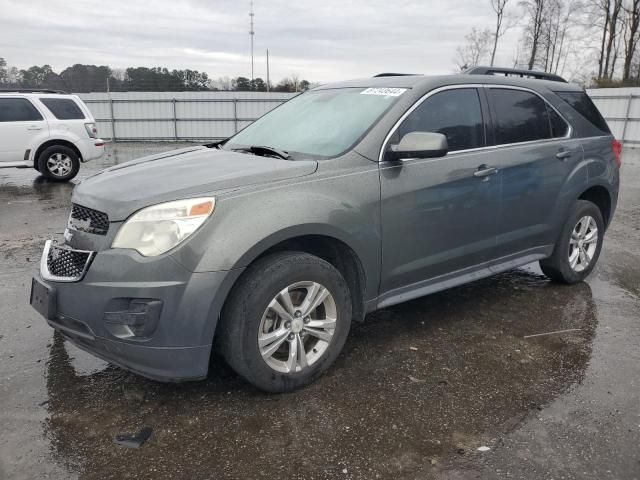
[
  {"x": 519, "y": 116},
  {"x": 18, "y": 110},
  {"x": 319, "y": 123},
  {"x": 454, "y": 113},
  {"x": 63, "y": 108}
]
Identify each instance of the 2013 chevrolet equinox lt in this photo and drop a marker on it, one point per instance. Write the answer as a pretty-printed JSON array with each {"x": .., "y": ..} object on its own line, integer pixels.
[{"x": 351, "y": 197}]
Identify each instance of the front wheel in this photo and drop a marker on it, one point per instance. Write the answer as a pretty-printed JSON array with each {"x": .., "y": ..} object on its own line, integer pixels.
[
  {"x": 286, "y": 321},
  {"x": 578, "y": 248},
  {"x": 59, "y": 163}
]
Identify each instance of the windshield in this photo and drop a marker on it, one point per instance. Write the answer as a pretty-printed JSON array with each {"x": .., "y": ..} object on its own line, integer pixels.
[{"x": 320, "y": 123}]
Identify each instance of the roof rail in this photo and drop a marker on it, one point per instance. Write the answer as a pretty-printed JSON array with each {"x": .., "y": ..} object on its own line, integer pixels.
[
  {"x": 514, "y": 72},
  {"x": 31, "y": 90},
  {"x": 395, "y": 75}
]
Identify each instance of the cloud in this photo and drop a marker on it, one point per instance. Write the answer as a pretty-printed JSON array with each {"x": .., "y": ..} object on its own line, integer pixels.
[{"x": 320, "y": 41}]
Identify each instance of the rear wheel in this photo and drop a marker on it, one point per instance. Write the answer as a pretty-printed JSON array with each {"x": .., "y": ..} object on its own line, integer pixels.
[
  {"x": 286, "y": 321},
  {"x": 58, "y": 163},
  {"x": 578, "y": 248}
]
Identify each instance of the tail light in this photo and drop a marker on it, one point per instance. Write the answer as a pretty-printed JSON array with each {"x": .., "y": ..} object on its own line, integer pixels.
[
  {"x": 91, "y": 129},
  {"x": 617, "y": 151}
]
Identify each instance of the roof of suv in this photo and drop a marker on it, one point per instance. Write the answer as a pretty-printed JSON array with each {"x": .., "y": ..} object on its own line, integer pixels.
[
  {"x": 422, "y": 82},
  {"x": 35, "y": 91}
]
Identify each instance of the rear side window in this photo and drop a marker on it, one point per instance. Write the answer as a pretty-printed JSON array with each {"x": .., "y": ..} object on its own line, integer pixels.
[
  {"x": 63, "y": 108},
  {"x": 454, "y": 113},
  {"x": 18, "y": 110},
  {"x": 581, "y": 102},
  {"x": 519, "y": 116}
]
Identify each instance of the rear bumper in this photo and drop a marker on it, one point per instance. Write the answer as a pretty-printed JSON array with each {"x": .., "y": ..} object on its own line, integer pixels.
[
  {"x": 152, "y": 317},
  {"x": 90, "y": 148}
]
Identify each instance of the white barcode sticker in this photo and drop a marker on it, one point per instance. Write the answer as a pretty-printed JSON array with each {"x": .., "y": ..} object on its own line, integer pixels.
[{"x": 386, "y": 92}]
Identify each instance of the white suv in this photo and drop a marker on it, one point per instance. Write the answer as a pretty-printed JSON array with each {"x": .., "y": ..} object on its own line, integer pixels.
[{"x": 48, "y": 130}]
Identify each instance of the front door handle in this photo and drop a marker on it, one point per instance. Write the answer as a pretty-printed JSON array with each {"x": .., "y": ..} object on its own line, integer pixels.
[
  {"x": 562, "y": 154},
  {"x": 485, "y": 171}
]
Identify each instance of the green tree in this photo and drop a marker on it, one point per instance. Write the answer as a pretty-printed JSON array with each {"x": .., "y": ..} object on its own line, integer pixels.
[
  {"x": 304, "y": 85},
  {"x": 86, "y": 78},
  {"x": 34, "y": 77},
  {"x": 241, "y": 84},
  {"x": 258, "y": 85}
]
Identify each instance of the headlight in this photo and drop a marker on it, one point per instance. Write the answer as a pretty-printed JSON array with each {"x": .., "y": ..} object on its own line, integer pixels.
[{"x": 157, "y": 229}]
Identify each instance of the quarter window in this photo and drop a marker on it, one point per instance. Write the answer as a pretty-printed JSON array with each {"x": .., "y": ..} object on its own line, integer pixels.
[
  {"x": 18, "y": 110},
  {"x": 519, "y": 116},
  {"x": 63, "y": 108},
  {"x": 581, "y": 102},
  {"x": 454, "y": 113}
]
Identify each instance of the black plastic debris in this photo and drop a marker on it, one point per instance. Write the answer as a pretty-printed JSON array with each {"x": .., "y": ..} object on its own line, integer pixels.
[{"x": 133, "y": 441}]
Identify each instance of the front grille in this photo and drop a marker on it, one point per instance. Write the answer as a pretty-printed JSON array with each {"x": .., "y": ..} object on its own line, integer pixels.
[
  {"x": 63, "y": 263},
  {"x": 88, "y": 220}
]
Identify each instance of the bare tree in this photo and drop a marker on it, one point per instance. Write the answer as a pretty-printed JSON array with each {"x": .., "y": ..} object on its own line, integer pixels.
[
  {"x": 632, "y": 24},
  {"x": 475, "y": 49},
  {"x": 616, "y": 6},
  {"x": 534, "y": 11},
  {"x": 503, "y": 23}
]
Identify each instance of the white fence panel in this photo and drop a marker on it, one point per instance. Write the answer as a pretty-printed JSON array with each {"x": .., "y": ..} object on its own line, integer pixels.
[
  {"x": 177, "y": 116},
  {"x": 621, "y": 109}
]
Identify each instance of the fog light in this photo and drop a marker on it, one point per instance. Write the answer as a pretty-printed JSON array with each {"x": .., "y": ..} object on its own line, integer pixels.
[{"x": 139, "y": 318}]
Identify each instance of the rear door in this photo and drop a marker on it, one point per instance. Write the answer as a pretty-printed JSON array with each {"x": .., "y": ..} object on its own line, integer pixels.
[
  {"x": 20, "y": 122},
  {"x": 68, "y": 116},
  {"x": 536, "y": 154},
  {"x": 439, "y": 215}
]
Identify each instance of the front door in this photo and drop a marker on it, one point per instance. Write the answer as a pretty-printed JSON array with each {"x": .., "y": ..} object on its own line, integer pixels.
[
  {"x": 20, "y": 121},
  {"x": 439, "y": 216}
]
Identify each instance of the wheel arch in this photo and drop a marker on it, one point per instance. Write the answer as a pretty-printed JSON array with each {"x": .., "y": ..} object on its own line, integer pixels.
[
  {"x": 328, "y": 245},
  {"x": 602, "y": 198},
  {"x": 52, "y": 143}
]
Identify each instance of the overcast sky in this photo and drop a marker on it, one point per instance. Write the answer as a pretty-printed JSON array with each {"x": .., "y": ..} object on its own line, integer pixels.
[{"x": 318, "y": 40}]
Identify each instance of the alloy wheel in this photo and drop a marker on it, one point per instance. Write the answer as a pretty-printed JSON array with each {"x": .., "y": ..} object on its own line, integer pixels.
[
  {"x": 59, "y": 164},
  {"x": 297, "y": 327},
  {"x": 583, "y": 243}
]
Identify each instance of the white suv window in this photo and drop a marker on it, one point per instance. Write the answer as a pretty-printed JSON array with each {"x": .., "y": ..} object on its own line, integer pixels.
[
  {"x": 18, "y": 110},
  {"x": 63, "y": 108}
]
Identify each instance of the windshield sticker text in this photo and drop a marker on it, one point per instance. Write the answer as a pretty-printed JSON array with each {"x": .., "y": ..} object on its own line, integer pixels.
[{"x": 386, "y": 92}]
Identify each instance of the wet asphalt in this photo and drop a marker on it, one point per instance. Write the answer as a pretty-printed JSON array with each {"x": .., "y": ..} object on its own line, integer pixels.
[{"x": 418, "y": 389}]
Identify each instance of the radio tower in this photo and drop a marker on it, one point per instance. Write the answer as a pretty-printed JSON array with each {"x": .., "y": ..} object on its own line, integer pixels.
[{"x": 252, "y": 33}]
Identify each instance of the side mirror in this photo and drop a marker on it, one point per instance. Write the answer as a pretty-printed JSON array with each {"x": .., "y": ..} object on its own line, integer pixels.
[{"x": 419, "y": 145}]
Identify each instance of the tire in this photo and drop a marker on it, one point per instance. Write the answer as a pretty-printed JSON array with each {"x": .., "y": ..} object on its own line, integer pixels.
[
  {"x": 59, "y": 163},
  {"x": 558, "y": 267},
  {"x": 248, "y": 314}
]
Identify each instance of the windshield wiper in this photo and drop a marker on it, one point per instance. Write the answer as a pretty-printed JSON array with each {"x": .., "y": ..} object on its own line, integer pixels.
[
  {"x": 264, "y": 150},
  {"x": 217, "y": 145}
]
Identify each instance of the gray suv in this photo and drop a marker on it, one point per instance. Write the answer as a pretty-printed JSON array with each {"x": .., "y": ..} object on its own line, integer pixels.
[{"x": 349, "y": 198}]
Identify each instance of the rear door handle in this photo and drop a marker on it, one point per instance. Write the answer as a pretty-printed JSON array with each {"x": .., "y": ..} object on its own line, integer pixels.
[
  {"x": 562, "y": 154},
  {"x": 485, "y": 171},
  {"x": 34, "y": 127}
]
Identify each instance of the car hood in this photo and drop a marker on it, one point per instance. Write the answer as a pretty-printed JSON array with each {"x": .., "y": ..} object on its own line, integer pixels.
[{"x": 123, "y": 189}]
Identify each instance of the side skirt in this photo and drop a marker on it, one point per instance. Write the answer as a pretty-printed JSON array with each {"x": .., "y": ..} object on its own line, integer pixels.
[{"x": 460, "y": 277}]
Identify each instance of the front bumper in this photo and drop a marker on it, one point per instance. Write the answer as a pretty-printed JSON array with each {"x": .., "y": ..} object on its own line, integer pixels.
[{"x": 106, "y": 313}]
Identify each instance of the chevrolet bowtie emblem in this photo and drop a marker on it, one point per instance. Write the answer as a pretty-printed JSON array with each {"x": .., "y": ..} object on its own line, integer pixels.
[{"x": 67, "y": 235}]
